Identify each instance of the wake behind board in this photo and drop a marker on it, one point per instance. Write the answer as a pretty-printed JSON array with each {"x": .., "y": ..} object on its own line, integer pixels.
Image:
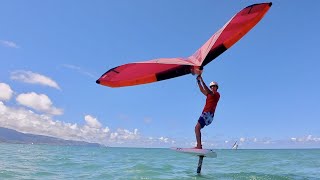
[{"x": 197, "y": 152}]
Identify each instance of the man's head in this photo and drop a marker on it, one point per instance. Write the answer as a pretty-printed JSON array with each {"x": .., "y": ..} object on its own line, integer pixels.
[{"x": 214, "y": 85}]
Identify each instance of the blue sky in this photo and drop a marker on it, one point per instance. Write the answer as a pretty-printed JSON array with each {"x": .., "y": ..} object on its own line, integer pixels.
[{"x": 51, "y": 53}]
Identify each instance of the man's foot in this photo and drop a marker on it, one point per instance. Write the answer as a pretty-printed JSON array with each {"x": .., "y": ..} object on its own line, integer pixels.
[{"x": 198, "y": 147}]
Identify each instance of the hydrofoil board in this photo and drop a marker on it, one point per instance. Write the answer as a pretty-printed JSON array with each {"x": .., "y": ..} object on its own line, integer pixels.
[{"x": 197, "y": 152}]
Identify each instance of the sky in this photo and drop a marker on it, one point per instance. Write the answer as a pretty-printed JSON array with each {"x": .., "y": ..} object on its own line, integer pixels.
[{"x": 52, "y": 52}]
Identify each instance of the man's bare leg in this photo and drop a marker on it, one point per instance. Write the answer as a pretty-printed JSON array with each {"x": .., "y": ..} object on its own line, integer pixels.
[{"x": 197, "y": 130}]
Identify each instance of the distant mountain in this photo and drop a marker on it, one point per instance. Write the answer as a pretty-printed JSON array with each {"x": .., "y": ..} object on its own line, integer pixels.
[{"x": 13, "y": 136}]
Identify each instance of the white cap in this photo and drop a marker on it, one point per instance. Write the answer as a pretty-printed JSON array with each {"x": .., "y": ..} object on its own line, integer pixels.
[{"x": 213, "y": 83}]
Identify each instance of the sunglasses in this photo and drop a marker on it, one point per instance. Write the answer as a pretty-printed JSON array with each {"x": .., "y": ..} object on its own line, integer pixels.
[{"x": 213, "y": 86}]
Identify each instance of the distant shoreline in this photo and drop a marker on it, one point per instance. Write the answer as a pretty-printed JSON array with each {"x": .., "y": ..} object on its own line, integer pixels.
[{"x": 10, "y": 136}]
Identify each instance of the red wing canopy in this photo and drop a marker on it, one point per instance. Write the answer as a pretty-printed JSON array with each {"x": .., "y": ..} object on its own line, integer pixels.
[
  {"x": 144, "y": 72},
  {"x": 230, "y": 33},
  {"x": 166, "y": 68}
]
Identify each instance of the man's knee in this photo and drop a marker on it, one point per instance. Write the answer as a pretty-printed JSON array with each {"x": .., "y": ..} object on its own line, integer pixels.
[{"x": 197, "y": 127}]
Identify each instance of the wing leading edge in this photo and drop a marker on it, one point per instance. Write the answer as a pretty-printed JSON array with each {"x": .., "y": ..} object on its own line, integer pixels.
[{"x": 166, "y": 68}]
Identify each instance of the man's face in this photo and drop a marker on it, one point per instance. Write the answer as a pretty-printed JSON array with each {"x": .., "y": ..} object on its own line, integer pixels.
[{"x": 214, "y": 87}]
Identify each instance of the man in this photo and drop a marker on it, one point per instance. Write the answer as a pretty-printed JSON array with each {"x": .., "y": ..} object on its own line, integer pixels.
[{"x": 207, "y": 115}]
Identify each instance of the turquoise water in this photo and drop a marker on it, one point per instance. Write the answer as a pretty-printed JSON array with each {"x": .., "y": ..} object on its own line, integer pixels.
[{"x": 18, "y": 161}]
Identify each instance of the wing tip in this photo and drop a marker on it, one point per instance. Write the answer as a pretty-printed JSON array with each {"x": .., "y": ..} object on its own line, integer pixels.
[
  {"x": 98, "y": 81},
  {"x": 269, "y": 4}
]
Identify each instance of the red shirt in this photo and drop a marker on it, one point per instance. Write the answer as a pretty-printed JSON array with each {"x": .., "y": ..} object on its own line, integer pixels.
[{"x": 211, "y": 102}]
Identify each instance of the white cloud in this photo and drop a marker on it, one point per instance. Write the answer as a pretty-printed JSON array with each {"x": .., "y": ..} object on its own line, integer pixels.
[
  {"x": 124, "y": 134},
  {"x": 92, "y": 122},
  {"x": 73, "y": 67},
  {"x": 92, "y": 130},
  {"x": 26, "y": 121},
  {"x": 39, "y": 102},
  {"x": 79, "y": 70},
  {"x": 163, "y": 139},
  {"x": 5, "y": 92},
  {"x": 254, "y": 140},
  {"x": 147, "y": 120},
  {"x": 33, "y": 78},
  {"x": 308, "y": 138},
  {"x": 9, "y": 44},
  {"x": 3, "y": 108}
]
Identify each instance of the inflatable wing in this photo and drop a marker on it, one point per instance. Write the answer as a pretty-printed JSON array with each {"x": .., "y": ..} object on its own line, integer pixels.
[{"x": 166, "y": 68}]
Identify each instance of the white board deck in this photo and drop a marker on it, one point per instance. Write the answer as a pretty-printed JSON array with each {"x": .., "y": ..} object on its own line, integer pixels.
[{"x": 197, "y": 152}]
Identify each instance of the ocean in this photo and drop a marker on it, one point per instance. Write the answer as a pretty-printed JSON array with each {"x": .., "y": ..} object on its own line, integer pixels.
[{"x": 21, "y": 161}]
